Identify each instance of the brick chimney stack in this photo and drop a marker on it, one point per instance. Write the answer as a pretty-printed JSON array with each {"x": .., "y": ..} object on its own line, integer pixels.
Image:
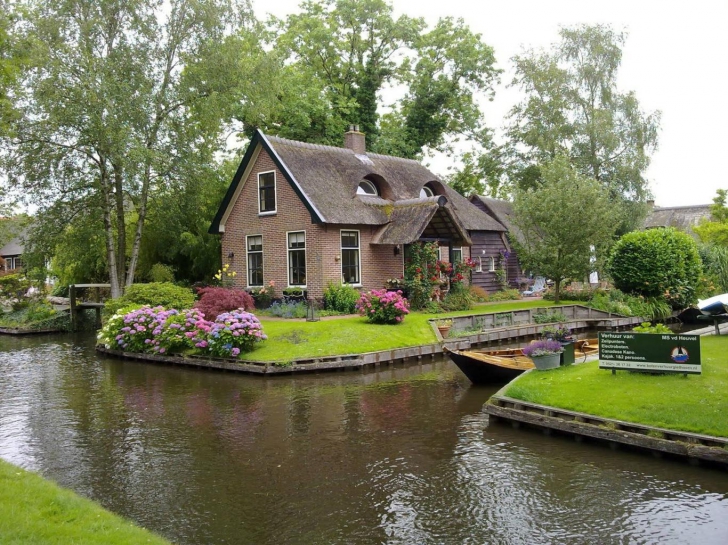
[{"x": 355, "y": 140}]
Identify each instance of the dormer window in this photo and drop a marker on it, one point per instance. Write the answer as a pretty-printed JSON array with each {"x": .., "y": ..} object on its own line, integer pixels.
[
  {"x": 367, "y": 188},
  {"x": 426, "y": 192}
]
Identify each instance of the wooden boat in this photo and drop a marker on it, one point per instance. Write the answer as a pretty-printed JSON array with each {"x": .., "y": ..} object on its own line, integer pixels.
[
  {"x": 500, "y": 366},
  {"x": 490, "y": 366}
]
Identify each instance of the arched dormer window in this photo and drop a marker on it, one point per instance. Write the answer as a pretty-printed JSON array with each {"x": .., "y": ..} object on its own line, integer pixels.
[
  {"x": 426, "y": 191},
  {"x": 367, "y": 188}
]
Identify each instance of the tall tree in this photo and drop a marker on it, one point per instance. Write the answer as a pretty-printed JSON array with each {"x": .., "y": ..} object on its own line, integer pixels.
[
  {"x": 715, "y": 231},
  {"x": 122, "y": 96},
  {"x": 574, "y": 108},
  {"x": 353, "y": 51},
  {"x": 565, "y": 221}
]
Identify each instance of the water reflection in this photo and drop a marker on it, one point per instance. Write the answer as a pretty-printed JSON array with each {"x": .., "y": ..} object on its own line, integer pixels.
[{"x": 398, "y": 455}]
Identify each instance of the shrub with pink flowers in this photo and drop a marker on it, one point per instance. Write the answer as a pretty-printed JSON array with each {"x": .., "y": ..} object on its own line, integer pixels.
[
  {"x": 383, "y": 307},
  {"x": 163, "y": 331},
  {"x": 134, "y": 330},
  {"x": 234, "y": 333}
]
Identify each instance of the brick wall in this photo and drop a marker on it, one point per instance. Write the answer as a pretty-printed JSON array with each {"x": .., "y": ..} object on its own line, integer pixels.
[{"x": 323, "y": 242}]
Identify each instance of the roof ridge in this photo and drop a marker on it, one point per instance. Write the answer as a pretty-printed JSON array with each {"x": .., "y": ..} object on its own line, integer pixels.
[
  {"x": 684, "y": 206},
  {"x": 324, "y": 147}
]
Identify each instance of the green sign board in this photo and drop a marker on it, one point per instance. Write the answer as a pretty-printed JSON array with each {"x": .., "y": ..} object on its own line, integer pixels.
[{"x": 649, "y": 352}]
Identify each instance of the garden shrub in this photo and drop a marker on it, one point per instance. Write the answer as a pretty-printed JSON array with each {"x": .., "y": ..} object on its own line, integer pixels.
[
  {"x": 163, "y": 331},
  {"x": 657, "y": 263},
  {"x": 282, "y": 309},
  {"x": 383, "y": 307},
  {"x": 264, "y": 296},
  {"x": 647, "y": 327},
  {"x": 234, "y": 333},
  {"x": 216, "y": 300},
  {"x": 13, "y": 285},
  {"x": 549, "y": 317},
  {"x": 161, "y": 273},
  {"x": 341, "y": 298},
  {"x": 505, "y": 295},
  {"x": 457, "y": 300},
  {"x": 164, "y": 294},
  {"x": 479, "y": 294}
]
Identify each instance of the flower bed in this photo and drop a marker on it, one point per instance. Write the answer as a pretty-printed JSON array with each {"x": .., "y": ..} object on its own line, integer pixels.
[
  {"x": 383, "y": 307},
  {"x": 162, "y": 331}
]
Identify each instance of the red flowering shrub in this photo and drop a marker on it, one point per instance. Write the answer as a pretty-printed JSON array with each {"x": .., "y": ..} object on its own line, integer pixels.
[{"x": 217, "y": 300}]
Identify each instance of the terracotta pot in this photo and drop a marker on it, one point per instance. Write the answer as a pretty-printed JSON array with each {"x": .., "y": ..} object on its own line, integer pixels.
[{"x": 444, "y": 330}]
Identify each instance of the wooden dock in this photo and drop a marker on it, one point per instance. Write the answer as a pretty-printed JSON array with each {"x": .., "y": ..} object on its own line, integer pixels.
[{"x": 79, "y": 304}]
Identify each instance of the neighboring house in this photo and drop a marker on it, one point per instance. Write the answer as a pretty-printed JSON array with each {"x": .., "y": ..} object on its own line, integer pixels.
[
  {"x": 502, "y": 211},
  {"x": 12, "y": 253},
  {"x": 683, "y": 218},
  {"x": 305, "y": 215}
]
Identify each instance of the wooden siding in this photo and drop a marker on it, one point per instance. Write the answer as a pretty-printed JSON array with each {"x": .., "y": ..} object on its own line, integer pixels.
[
  {"x": 486, "y": 244},
  {"x": 513, "y": 266}
]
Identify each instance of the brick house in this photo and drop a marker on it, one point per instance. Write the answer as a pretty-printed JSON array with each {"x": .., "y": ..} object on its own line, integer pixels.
[{"x": 305, "y": 215}]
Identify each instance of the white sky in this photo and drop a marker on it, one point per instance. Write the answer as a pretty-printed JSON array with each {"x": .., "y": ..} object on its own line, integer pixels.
[{"x": 674, "y": 60}]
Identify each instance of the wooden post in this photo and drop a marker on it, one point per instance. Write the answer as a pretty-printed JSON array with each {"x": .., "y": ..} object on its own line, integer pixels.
[{"x": 72, "y": 292}]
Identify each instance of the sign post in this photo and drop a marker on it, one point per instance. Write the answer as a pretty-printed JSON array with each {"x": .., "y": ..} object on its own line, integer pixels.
[{"x": 665, "y": 353}]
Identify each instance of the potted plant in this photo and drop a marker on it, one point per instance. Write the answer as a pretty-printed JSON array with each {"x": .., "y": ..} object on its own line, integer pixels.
[
  {"x": 443, "y": 326},
  {"x": 545, "y": 353},
  {"x": 563, "y": 335}
]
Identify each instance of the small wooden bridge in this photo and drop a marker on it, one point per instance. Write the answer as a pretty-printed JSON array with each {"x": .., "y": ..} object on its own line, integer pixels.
[{"x": 78, "y": 294}]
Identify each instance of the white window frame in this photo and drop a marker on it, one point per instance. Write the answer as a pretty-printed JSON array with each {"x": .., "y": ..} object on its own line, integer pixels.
[
  {"x": 275, "y": 193},
  {"x": 426, "y": 192},
  {"x": 288, "y": 259},
  {"x": 457, "y": 249},
  {"x": 247, "y": 260},
  {"x": 371, "y": 185},
  {"x": 479, "y": 266},
  {"x": 491, "y": 264},
  {"x": 358, "y": 250}
]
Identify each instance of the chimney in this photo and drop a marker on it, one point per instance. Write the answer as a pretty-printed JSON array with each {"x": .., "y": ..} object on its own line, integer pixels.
[
  {"x": 651, "y": 203},
  {"x": 355, "y": 140}
]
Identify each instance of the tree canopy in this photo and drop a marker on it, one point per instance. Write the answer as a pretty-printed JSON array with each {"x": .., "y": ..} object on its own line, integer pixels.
[
  {"x": 338, "y": 59},
  {"x": 565, "y": 222},
  {"x": 574, "y": 108},
  {"x": 123, "y": 101}
]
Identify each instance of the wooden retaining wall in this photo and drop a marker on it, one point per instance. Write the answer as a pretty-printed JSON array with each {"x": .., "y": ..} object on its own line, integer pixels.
[{"x": 691, "y": 446}]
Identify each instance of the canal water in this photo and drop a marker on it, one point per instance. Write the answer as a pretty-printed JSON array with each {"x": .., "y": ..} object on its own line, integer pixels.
[{"x": 400, "y": 455}]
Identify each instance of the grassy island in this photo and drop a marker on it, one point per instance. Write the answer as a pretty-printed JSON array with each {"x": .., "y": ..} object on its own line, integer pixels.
[
  {"x": 696, "y": 403},
  {"x": 293, "y": 339},
  {"x": 38, "y": 511}
]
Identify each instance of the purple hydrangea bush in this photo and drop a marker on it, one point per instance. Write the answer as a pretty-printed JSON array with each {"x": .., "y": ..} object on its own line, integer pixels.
[
  {"x": 383, "y": 307},
  {"x": 161, "y": 331},
  {"x": 233, "y": 333}
]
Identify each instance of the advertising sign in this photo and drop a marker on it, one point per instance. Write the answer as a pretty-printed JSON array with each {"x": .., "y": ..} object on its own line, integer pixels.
[{"x": 650, "y": 352}]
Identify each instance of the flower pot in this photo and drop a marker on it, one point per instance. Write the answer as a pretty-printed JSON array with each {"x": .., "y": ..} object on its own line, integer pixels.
[
  {"x": 543, "y": 363},
  {"x": 567, "y": 356},
  {"x": 444, "y": 330}
]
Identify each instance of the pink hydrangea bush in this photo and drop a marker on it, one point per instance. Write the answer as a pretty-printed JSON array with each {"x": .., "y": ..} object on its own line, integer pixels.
[
  {"x": 181, "y": 331},
  {"x": 383, "y": 307},
  {"x": 234, "y": 333},
  {"x": 134, "y": 330}
]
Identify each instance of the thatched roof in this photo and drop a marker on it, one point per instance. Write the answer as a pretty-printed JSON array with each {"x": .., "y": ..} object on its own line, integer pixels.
[
  {"x": 326, "y": 179},
  {"x": 683, "y": 218},
  {"x": 500, "y": 210},
  {"x": 432, "y": 217}
]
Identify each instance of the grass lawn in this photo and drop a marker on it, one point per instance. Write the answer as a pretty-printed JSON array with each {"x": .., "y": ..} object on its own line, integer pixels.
[
  {"x": 38, "y": 511},
  {"x": 293, "y": 339},
  {"x": 698, "y": 403}
]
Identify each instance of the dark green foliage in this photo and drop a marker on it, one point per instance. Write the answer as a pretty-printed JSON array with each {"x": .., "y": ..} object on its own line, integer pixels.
[
  {"x": 153, "y": 294},
  {"x": 341, "y": 298},
  {"x": 161, "y": 273},
  {"x": 715, "y": 268},
  {"x": 505, "y": 295},
  {"x": 12, "y": 285},
  {"x": 660, "y": 263},
  {"x": 419, "y": 270},
  {"x": 458, "y": 300}
]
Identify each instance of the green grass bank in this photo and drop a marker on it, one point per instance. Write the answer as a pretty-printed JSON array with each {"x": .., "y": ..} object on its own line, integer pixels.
[
  {"x": 696, "y": 403},
  {"x": 294, "y": 339},
  {"x": 36, "y": 511}
]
